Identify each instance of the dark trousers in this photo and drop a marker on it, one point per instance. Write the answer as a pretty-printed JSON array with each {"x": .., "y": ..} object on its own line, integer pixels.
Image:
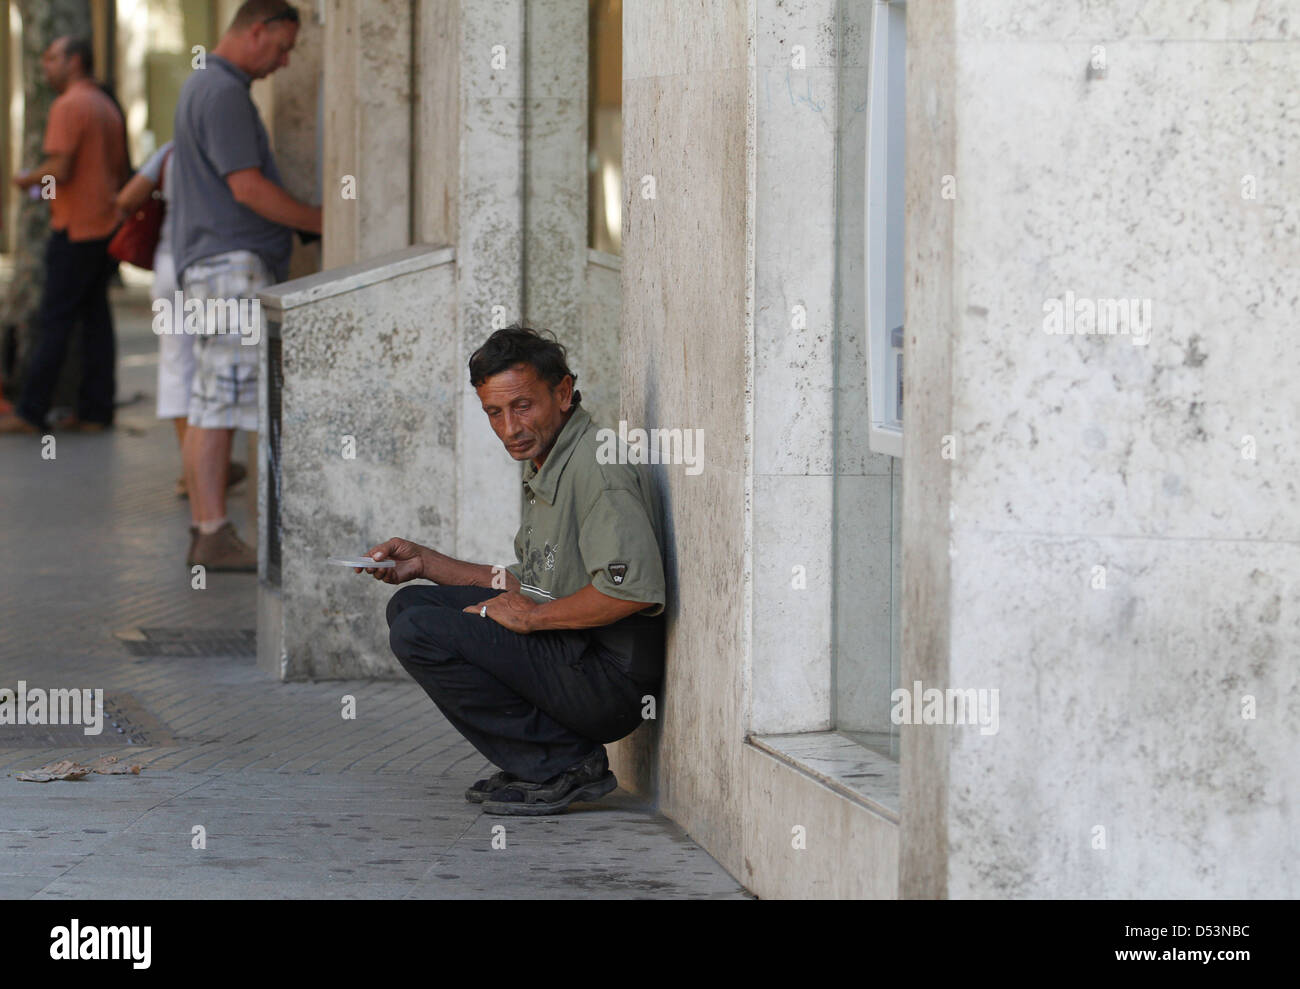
[
  {"x": 532, "y": 704},
  {"x": 76, "y": 292}
]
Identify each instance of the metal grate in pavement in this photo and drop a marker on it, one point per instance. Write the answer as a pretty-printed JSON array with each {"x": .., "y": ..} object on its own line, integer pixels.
[
  {"x": 175, "y": 642},
  {"x": 126, "y": 722}
]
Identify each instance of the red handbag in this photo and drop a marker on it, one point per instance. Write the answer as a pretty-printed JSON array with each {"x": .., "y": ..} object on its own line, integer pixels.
[{"x": 136, "y": 239}]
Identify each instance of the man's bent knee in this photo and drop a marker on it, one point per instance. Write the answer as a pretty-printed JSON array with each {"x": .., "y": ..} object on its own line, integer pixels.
[
  {"x": 400, "y": 601},
  {"x": 407, "y": 637},
  {"x": 402, "y": 634}
]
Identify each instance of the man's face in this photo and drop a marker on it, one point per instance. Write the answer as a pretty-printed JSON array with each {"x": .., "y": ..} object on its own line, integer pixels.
[
  {"x": 269, "y": 47},
  {"x": 526, "y": 413},
  {"x": 57, "y": 66}
]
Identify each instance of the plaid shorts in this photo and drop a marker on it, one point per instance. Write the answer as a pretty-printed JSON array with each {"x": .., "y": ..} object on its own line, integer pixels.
[{"x": 224, "y": 390}]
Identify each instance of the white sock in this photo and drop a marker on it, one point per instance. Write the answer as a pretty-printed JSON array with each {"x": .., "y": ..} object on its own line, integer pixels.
[{"x": 209, "y": 528}]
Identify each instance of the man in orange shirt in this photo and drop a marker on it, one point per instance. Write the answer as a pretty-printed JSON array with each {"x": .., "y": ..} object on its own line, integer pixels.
[{"x": 85, "y": 165}]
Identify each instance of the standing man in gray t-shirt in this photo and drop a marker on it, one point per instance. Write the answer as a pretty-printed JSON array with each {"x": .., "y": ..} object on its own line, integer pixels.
[{"x": 232, "y": 232}]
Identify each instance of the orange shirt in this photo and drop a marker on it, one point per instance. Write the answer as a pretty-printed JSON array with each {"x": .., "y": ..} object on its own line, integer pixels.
[{"x": 85, "y": 124}]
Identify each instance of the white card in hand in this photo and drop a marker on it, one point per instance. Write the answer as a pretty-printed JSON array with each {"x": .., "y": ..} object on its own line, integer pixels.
[{"x": 360, "y": 561}]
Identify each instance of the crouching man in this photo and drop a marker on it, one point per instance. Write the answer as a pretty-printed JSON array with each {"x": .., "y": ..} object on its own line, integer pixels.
[{"x": 539, "y": 663}]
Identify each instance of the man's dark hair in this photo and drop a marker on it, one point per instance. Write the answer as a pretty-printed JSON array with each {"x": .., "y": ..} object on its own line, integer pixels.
[
  {"x": 84, "y": 50},
  {"x": 519, "y": 344},
  {"x": 263, "y": 12}
]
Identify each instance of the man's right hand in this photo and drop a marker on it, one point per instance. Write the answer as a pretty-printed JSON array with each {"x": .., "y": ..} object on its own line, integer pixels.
[{"x": 409, "y": 557}]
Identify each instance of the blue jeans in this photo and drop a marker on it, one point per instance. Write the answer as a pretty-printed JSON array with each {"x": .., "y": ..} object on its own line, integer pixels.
[{"x": 76, "y": 292}]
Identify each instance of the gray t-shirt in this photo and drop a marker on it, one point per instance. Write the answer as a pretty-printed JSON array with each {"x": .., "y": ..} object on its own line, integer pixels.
[{"x": 218, "y": 131}]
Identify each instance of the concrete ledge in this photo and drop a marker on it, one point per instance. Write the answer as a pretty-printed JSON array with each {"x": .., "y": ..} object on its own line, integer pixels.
[
  {"x": 803, "y": 839},
  {"x": 338, "y": 281},
  {"x": 851, "y": 770}
]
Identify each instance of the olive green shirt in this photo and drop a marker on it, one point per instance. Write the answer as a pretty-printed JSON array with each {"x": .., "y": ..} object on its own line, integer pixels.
[{"x": 584, "y": 522}]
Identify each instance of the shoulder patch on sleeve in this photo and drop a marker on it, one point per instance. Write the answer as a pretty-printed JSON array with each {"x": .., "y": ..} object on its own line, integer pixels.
[{"x": 617, "y": 571}]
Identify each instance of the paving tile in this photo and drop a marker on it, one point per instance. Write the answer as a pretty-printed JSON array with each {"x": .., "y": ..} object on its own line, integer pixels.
[{"x": 21, "y": 887}]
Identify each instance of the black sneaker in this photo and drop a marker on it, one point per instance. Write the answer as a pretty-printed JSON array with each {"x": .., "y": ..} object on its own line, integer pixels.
[
  {"x": 589, "y": 779},
  {"x": 482, "y": 789}
]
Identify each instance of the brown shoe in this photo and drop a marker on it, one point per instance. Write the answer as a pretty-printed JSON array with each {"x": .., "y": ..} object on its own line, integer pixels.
[
  {"x": 194, "y": 539},
  {"x": 224, "y": 550},
  {"x": 16, "y": 424}
]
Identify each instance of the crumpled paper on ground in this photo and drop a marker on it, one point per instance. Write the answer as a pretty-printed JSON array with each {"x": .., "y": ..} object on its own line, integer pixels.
[{"x": 67, "y": 769}]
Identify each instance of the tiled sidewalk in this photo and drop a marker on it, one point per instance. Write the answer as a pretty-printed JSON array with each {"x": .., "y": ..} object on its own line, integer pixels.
[{"x": 291, "y": 799}]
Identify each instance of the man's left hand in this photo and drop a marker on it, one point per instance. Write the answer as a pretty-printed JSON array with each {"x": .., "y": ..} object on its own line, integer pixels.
[{"x": 510, "y": 610}]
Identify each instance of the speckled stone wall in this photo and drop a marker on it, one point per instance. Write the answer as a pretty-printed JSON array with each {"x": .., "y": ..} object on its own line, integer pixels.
[
  {"x": 368, "y": 434},
  {"x": 1113, "y": 545}
]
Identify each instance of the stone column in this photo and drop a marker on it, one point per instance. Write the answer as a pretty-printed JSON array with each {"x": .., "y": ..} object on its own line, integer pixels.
[
  {"x": 436, "y": 138},
  {"x": 555, "y": 163},
  {"x": 687, "y": 359},
  {"x": 489, "y": 256},
  {"x": 366, "y": 182},
  {"x": 929, "y": 218}
]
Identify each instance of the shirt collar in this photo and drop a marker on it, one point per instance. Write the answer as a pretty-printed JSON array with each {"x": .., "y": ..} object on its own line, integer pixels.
[
  {"x": 233, "y": 69},
  {"x": 543, "y": 483}
]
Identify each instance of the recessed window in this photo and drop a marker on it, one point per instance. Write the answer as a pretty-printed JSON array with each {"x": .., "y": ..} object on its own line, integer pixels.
[
  {"x": 868, "y": 492},
  {"x": 884, "y": 226}
]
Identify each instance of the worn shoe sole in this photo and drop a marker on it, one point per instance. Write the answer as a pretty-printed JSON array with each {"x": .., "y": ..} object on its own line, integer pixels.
[
  {"x": 592, "y": 791},
  {"x": 478, "y": 796}
]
